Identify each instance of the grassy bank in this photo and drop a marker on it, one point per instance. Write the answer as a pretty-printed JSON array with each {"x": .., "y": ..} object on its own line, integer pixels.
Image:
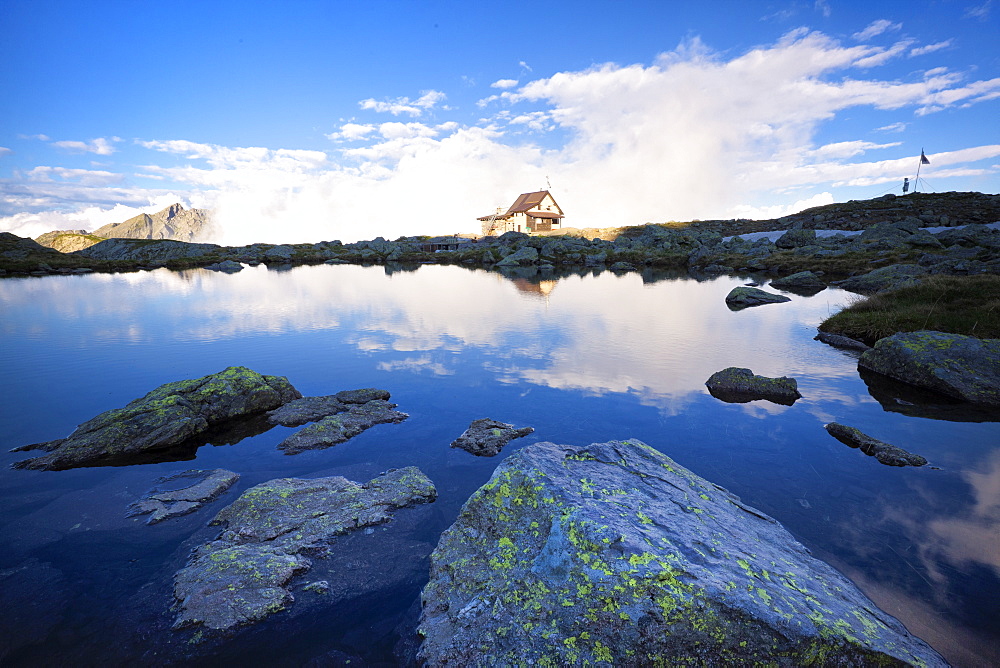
[{"x": 955, "y": 304}]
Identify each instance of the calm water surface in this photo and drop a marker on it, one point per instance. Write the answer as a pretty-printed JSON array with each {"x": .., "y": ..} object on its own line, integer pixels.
[{"x": 582, "y": 359}]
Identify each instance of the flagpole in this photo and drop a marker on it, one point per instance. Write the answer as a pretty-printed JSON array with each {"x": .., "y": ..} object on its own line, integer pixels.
[{"x": 923, "y": 160}]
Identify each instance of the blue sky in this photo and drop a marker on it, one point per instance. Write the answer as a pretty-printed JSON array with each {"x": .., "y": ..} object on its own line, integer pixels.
[{"x": 305, "y": 121}]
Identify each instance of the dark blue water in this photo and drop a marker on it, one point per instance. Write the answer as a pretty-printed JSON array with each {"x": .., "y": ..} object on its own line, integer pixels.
[{"x": 582, "y": 359}]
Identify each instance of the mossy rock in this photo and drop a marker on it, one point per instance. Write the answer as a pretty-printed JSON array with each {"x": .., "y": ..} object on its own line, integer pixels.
[{"x": 614, "y": 554}]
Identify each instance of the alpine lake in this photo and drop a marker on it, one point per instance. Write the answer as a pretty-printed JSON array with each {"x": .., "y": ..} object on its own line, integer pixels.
[{"x": 582, "y": 357}]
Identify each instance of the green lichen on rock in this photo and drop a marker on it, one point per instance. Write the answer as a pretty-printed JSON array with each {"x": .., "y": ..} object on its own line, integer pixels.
[
  {"x": 614, "y": 554},
  {"x": 242, "y": 576},
  {"x": 963, "y": 367},
  {"x": 738, "y": 385},
  {"x": 171, "y": 415}
]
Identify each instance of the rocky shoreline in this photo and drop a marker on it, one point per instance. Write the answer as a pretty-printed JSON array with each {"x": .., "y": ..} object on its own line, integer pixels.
[{"x": 834, "y": 241}]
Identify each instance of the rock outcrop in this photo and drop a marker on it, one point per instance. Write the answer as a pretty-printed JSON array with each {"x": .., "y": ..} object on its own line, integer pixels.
[
  {"x": 243, "y": 576},
  {"x": 886, "y": 278},
  {"x": 182, "y": 493},
  {"x": 962, "y": 367},
  {"x": 173, "y": 415},
  {"x": 887, "y": 454},
  {"x": 338, "y": 428},
  {"x": 154, "y": 252},
  {"x": 738, "y": 385},
  {"x": 742, "y": 297},
  {"x": 612, "y": 553},
  {"x": 486, "y": 437}
]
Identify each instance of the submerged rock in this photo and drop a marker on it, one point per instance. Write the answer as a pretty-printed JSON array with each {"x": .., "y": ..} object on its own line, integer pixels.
[
  {"x": 841, "y": 341},
  {"x": 182, "y": 493},
  {"x": 172, "y": 415},
  {"x": 486, "y": 437},
  {"x": 890, "y": 455},
  {"x": 338, "y": 428},
  {"x": 243, "y": 576},
  {"x": 742, "y": 297},
  {"x": 958, "y": 366},
  {"x": 226, "y": 266},
  {"x": 306, "y": 409},
  {"x": 614, "y": 554},
  {"x": 738, "y": 386}
]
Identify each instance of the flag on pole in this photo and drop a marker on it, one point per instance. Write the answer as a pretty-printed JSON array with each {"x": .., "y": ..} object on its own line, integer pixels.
[{"x": 923, "y": 158}]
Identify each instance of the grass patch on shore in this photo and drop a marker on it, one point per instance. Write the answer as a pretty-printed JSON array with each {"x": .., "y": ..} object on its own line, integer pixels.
[{"x": 955, "y": 304}]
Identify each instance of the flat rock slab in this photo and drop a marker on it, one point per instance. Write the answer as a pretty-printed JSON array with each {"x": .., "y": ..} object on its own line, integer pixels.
[
  {"x": 887, "y": 454},
  {"x": 962, "y": 367},
  {"x": 338, "y": 428},
  {"x": 243, "y": 576},
  {"x": 304, "y": 410},
  {"x": 613, "y": 554},
  {"x": 738, "y": 386},
  {"x": 182, "y": 493},
  {"x": 743, "y": 297},
  {"x": 486, "y": 437},
  {"x": 171, "y": 415}
]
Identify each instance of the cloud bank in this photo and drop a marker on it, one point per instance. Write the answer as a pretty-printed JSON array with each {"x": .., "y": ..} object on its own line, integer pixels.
[{"x": 692, "y": 135}]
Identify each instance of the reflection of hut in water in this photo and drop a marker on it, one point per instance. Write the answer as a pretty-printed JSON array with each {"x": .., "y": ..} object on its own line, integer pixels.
[{"x": 535, "y": 288}]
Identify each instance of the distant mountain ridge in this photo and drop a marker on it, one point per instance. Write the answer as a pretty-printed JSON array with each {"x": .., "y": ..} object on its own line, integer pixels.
[{"x": 175, "y": 222}]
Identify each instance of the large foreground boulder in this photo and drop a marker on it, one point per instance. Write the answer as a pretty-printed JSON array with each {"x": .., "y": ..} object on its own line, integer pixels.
[
  {"x": 172, "y": 415},
  {"x": 243, "y": 576},
  {"x": 736, "y": 385},
  {"x": 958, "y": 366},
  {"x": 612, "y": 554}
]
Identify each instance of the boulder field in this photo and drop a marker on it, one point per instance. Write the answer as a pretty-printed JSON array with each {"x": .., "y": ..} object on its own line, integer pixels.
[{"x": 613, "y": 553}]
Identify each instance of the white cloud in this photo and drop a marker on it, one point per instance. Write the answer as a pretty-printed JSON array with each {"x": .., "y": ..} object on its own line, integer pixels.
[
  {"x": 4, "y": 150},
  {"x": 930, "y": 48},
  {"x": 403, "y": 105},
  {"x": 893, "y": 127},
  {"x": 100, "y": 146},
  {"x": 849, "y": 149},
  {"x": 823, "y": 7},
  {"x": 882, "y": 56},
  {"x": 504, "y": 83},
  {"x": 86, "y": 177},
  {"x": 352, "y": 132},
  {"x": 876, "y": 28},
  {"x": 981, "y": 12}
]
